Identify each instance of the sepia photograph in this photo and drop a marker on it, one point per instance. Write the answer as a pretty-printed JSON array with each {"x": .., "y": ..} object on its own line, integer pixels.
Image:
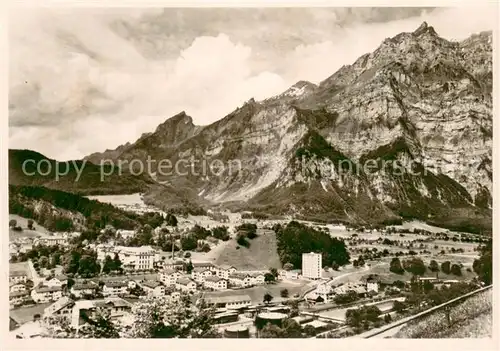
[{"x": 250, "y": 172}]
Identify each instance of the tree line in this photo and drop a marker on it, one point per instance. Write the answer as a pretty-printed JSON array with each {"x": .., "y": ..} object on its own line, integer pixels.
[{"x": 295, "y": 238}]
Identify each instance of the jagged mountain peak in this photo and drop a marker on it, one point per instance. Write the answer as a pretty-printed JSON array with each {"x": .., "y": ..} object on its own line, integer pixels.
[
  {"x": 416, "y": 97},
  {"x": 299, "y": 90},
  {"x": 424, "y": 28},
  {"x": 177, "y": 119}
]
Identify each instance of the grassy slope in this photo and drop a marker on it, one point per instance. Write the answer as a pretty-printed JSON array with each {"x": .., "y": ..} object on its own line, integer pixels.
[
  {"x": 261, "y": 255},
  {"x": 26, "y": 233},
  {"x": 472, "y": 318}
]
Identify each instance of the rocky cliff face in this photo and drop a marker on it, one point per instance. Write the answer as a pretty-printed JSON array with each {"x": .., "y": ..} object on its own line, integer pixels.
[{"x": 404, "y": 131}]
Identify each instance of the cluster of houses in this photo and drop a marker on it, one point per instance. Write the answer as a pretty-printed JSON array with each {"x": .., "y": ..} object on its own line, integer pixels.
[
  {"x": 173, "y": 280},
  {"x": 207, "y": 276},
  {"x": 76, "y": 311},
  {"x": 328, "y": 290},
  {"x": 22, "y": 245}
]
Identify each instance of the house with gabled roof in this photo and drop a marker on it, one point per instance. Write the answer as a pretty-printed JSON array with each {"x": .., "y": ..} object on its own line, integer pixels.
[
  {"x": 17, "y": 287},
  {"x": 215, "y": 283},
  {"x": 43, "y": 293},
  {"x": 18, "y": 277},
  {"x": 153, "y": 288},
  {"x": 169, "y": 276},
  {"x": 185, "y": 284},
  {"x": 223, "y": 271},
  {"x": 17, "y": 298},
  {"x": 115, "y": 288},
  {"x": 84, "y": 309},
  {"x": 60, "y": 308},
  {"x": 199, "y": 274},
  {"x": 84, "y": 288},
  {"x": 205, "y": 265}
]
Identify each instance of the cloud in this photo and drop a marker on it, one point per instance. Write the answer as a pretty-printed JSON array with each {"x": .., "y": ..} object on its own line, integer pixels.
[{"x": 84, "y": 80}]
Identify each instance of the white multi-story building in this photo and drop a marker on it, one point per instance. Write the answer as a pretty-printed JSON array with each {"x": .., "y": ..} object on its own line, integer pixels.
[
  {"x": 18, "y": 277},
  {"x": 372, "y": 285},
  {"x": 132, "y": 258},
  {"x": 17, "y": 287},
  {"x": 114, "y": 288},
  {"x": 257, "y": 278},
  {"x": 52, "y": 240},
  {"x": 169, "y": 276},
  {"x": 291, "y": 275},
  {"x": 311, "y": 265},
  {"x": 175, "y": 265},
  {"x": 200, "y": 274},
  {"x": 205, "y": 265},
  {"x": 85, "y": 288},
  {"x": 42, "y": 294},
  {"x": 240, "y": 280},
  {"x": 153, "y": 288},
  {"x": 60, "y": 308},
  {"x": 17, "y": 298},
  {"x": 215, "y": 283},
  {"x": 185, "y": 284},
  {"x": 229, "y": 302},
  {"x": 224, "y": 271}
]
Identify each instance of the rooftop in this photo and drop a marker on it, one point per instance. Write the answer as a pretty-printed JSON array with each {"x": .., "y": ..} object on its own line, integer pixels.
[
  {"x": 200, "y": 269},
  {"x": 84, "y": 285},
  {"x": 43, "y": 289},
  {"x": 151, "y": 283},
  {"x": 18, "y": 273},
  {"x": 203, "y": 264},
  {"x": 115, "y": 284},
  {"x": 228, "y": 299},
  {"x": 111, "y": 301},
  {"x": 213, "y": 279},
  {"x": 169, "y": 271},
  {"x": 59, "y": 304},
  {"x": 19, "y": 293},
  {"x": 184, "y": 281},
  {"x": 238, "y": 275}
]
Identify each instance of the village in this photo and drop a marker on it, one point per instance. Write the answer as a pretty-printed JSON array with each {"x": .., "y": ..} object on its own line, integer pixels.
[{"x": 244, "y": 294}]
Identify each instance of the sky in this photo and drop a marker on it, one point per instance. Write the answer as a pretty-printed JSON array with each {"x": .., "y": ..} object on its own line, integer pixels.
[{"x": 83, "y": 80}]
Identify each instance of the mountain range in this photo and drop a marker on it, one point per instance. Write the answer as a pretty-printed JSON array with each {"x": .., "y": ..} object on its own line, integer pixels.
[{"x": 403, "y": 132}]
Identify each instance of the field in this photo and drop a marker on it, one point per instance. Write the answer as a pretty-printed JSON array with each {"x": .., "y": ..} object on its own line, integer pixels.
[
  {"x": 471, "y": 318},
  {"x": 26, "y": 233},
  {"x": 420, "y": 225},
  {"x": 119, "y": 200},
  {"x": 261, "y": 255},
  {"x": 257, "y": 293},
  {"x": 26, "y": 314}
]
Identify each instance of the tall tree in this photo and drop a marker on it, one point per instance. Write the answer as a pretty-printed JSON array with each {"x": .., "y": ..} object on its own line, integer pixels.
[
  {"x": 395, "y": 266},
  {"x": 483, "y": 266},
  {"x": 446, "y": 267},
  {"x": 267, "y": 298},
  {"x": 117, "y": 263},
  {"x": 107, "y": 266},
  {"x": 434, "y": 266}
]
